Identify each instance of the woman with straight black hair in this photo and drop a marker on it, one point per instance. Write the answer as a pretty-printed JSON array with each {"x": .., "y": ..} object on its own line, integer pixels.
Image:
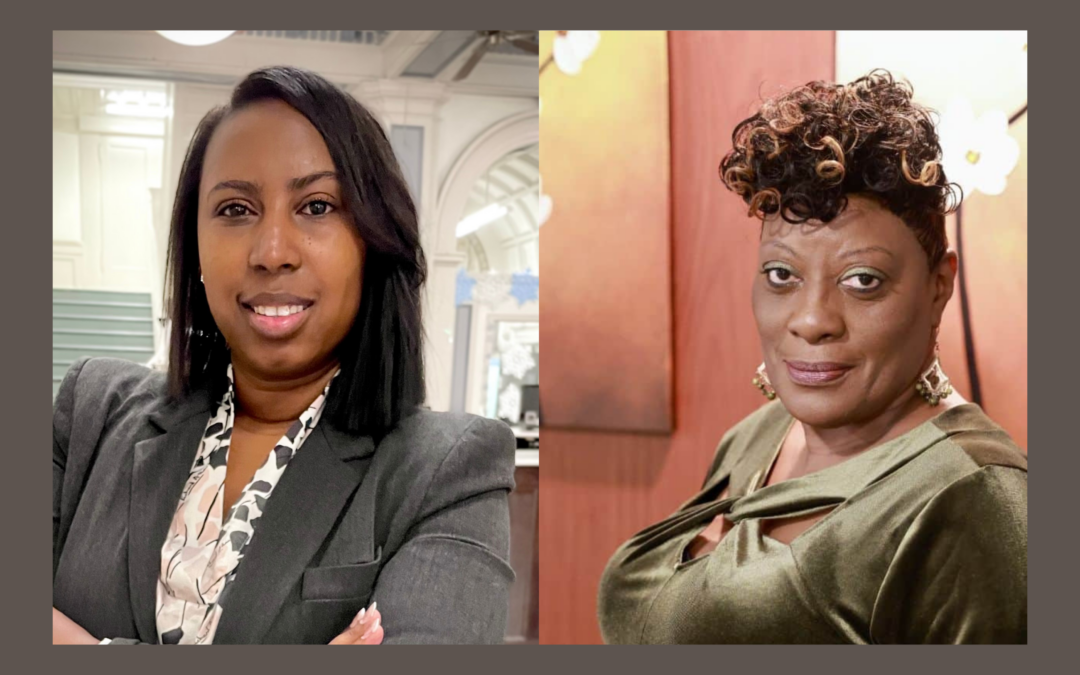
[{"x": 281, "y": 477}]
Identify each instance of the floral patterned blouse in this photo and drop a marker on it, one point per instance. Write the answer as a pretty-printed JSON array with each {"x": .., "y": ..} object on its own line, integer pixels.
[{"x": 203, "y": 549}]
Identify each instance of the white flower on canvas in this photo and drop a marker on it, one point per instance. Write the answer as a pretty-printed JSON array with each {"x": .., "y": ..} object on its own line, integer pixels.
[
  {"x": 977, "y": 153},
  {"x": 573, "y": 47}
]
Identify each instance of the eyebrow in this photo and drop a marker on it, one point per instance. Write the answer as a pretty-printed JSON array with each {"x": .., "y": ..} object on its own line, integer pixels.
[
  {"x": 867, "y": 249},
  {"x": 845, "y": 254},
  {"x": 304, "y": 181},
  {"x": 238, "y": 185},
  {"x": 781, "y": 245},
  {"x": 250, "y": 188}
]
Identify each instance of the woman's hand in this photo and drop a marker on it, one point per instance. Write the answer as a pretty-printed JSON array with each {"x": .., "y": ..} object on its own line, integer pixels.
[
  {"x": 67, "y": 632},
  {"x": 366, "y": 629}
]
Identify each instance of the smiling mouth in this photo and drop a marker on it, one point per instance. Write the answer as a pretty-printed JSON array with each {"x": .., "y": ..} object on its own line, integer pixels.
[
  {"x": 277, "y": 321},
  {"x": 816, "y": 373},
  {"x": 277, "y": 310}
]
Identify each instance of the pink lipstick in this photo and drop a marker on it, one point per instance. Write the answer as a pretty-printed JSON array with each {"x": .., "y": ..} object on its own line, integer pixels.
[
  {"x": 276, "y": 315},
  {"x": 816, "y": 373}
]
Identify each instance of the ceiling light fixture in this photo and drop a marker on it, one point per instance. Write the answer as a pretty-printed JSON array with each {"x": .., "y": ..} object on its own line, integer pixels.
[
  {"x": 195, "y": 38},
  {"x": 474, "y": 221}
]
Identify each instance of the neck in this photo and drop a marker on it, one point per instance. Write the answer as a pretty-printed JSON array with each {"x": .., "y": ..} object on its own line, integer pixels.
[
  {"x": 850, "y": 439},
  {"x": 268, "y": 402}
]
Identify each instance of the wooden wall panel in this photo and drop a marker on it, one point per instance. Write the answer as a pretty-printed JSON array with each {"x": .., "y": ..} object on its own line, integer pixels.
[{"x": 522, "y": 622}]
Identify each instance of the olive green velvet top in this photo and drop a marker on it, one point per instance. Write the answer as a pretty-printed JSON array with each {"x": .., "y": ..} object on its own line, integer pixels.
[{"x": 924, "y": 541}]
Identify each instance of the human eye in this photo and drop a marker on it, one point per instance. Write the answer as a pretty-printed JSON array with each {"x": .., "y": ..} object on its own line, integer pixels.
[
  {"x": 317, "y": 207},
  {"x": 863, "y": 279},
  {"x": 779, "y": 275},
  {"x": 233, "y": 210}
]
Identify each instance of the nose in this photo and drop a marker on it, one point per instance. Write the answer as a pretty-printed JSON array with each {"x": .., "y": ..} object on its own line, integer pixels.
[
  {"x": 275, "y": 244},
  {"x": 817, "y": 316}
]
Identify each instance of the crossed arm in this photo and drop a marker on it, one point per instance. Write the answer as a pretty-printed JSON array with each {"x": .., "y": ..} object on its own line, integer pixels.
[{"x": 366, "y": 629}]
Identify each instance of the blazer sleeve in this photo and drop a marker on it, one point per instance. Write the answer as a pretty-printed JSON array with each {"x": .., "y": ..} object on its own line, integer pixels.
[
  {"x": 63, "y": 412},
  {"x": 63, "y": 422},
  {"x": 449, "y": 582},
  {"x": 960, "y": 573}
]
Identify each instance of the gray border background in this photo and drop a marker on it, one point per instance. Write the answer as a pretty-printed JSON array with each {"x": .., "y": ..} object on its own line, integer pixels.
[{"x": 27, "y": 277}]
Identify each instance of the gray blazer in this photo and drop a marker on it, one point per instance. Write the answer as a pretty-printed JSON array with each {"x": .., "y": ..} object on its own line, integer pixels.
[{"x": 419, "y": 522}]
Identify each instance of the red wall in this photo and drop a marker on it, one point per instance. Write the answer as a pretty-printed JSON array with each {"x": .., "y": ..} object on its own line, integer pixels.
[
  {"x": 995, "y": 247},
  {"x": 600, "y": 487}
]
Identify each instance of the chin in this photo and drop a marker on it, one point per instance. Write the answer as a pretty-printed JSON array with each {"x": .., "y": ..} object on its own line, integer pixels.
[
  {"x": 822, "y": 408},
  {"x": 284, "y": 360}
]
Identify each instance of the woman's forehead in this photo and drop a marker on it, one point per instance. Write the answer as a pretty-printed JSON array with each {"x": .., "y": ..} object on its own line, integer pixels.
[
  {"x": 265, "y": 142},
  {"x": 863, "y": 225}
]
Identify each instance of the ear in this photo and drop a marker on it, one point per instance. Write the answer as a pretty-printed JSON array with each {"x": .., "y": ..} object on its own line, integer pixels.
[{"x": 942, "y": 283}]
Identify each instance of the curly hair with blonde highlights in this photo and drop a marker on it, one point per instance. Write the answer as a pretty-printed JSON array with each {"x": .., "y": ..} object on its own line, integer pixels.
[{"x": 805, "y": 151}]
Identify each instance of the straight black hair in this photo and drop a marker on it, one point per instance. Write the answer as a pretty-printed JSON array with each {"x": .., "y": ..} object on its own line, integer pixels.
[{"x": 382, "y": 370}]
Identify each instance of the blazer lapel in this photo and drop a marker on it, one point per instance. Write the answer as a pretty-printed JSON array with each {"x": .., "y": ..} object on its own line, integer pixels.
[
  {"x": 160, "y": 468},
  {"x": 299, "y": 514}
]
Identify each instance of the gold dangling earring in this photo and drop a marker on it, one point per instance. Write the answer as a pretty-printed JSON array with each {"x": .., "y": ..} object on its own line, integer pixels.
[
  {"x": 934, "y": 384},
  {"x": 761, "y": 381}
]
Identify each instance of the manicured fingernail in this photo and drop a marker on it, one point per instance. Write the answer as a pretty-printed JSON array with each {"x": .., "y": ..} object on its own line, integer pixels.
[
  {"x": 372, "y": 629},
  {"x": 359, "y": 618},
  {"x": 374, "y": 605}
]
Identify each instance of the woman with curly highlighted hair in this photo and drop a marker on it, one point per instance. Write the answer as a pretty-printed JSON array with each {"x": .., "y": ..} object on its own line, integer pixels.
[{"x": 866, "y": 501}]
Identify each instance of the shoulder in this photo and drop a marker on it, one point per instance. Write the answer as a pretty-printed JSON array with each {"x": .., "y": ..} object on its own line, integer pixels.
[
  {"x": 116, "y": 376},
  {"x": 741, "y": 437},
  {"x": 768, "y": 416},
  {"x": 432, "y": 461},
  {"x": 992, "y": 498},
  {"x": 974, "y": 499},
  {"x": 966, "y": 477},
  {"x": 978, "y": 520},
  {"x": 978, "y": 440},
  {"x": 100, "y": 386},
  {"x": 445, "y": 430},
  {"x": 973, "y": 469},
  {"x": 444, "y": 442}
]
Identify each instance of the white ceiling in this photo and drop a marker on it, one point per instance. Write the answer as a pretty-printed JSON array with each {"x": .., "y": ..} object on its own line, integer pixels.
[
  {"x": 345, "y": 57},
  {"x": 368, "y": 37}
]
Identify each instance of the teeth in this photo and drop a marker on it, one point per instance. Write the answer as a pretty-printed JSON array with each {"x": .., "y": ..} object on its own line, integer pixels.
[{"x": 286, "y": 310}]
